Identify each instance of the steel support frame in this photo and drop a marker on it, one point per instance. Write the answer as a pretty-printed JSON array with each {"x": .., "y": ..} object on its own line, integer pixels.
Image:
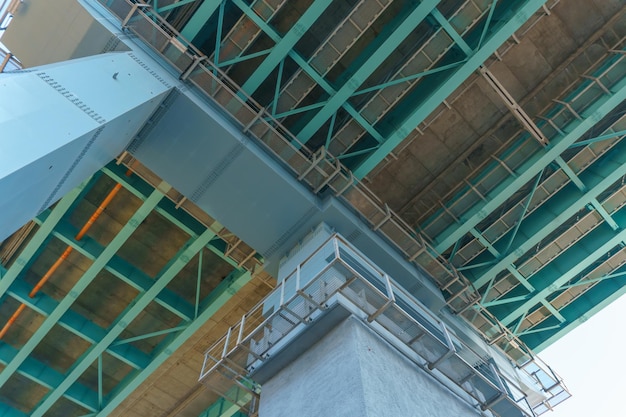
[
  {"x": 367, "y": 68},
  {"x": 167, "y": 274},
  {"x": 176, "y": 216},
  {"x": 607, "y": 175},
  {"x": 27, "y": 255},
  {"x": 282, "y": 48},
  {"x": 307, "y": 68},
  {"x": 577, "y": 128},
  {"x": 477, "y": 58},
  {"x": 567, "y": 327},
  {"x": 555, "y": 284},
  {"x": 212, "y": 303},
  {"x": 63, "y": 307}
]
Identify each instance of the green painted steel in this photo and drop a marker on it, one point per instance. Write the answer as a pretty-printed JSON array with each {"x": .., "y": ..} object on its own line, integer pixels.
[
  {"x": 47, "y": 377},
  {"x": 172, "y": 6},
  {"x": 285, "y": 45},
  {"x": 89, "y": 275},
  {"x": 199, "y": 18},
  {"x": 527, "y": 171},
  {"x": 32, "y": 247},
  {"x": 216, "y": 300},
  {"x": 500, "y": 35},
  {"x": 123, "y": 270},
  {"x": 307, "y": 68},
  {"x": 76, "y": 324},
  {"x": 367, "y": 68},
  {"x": 132, "y": 311},
  {"x": 600, "y": 138},
  {"x": 7, "y": 411},
  {"x": 167, "y": 209},
  {"x": 553, "y": 213},
  {"x": 547, "y": 340},
  {"x": 579, "y": 257}
]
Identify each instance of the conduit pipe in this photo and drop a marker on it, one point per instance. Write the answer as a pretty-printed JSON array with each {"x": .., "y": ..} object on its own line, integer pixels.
[{"x": 103, "y": 205}]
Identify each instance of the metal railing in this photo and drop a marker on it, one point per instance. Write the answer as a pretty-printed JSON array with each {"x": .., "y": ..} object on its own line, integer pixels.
[
  {"x": 319, "y": 170},
  {"x": 337, "y": 274}
]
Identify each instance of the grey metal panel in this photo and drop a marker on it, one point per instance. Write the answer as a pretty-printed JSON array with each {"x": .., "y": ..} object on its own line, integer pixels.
[{"x": 219, "y": 168}]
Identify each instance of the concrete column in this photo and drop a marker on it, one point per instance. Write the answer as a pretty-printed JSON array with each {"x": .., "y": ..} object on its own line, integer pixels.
[
  {"x": 60, "y": 123},
  {"x": 353, "y": 372}
]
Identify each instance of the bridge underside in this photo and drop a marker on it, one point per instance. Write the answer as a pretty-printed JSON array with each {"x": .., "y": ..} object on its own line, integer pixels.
[{"x": 494, "y": 129}]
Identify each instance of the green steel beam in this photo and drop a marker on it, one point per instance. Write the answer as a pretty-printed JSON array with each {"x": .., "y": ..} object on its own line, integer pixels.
[
  {"x": 47, "y": 377},
  {"x": 76, "y": 324},
  {"x": 367, "y": 68},
  {"x": 456, "y": 37},
  {"x": 169, "y": 272},
  {"x": 166, "y": 208},
  {"x": 172, "y": 6},
  {"x": 581, "y": 186},
  {"x": 89, "y": 275},
  {"x": 33, "y": 245},
  {"x": 596, "y": 112},
  {"x": 396, "y": 81},
  {"x": 285, "y": 45},
  {"x": 568, "y": 327},
  {"x": 555, "y": 212},
  {"x": 307, "y": 68},
  {"x": 199, "y": 18},
  {"x": 552, "y": 276},
  {"x": 594, "y": 280},
  {"x": 420, "y": 113},
  {"x": 216, "y": 300},
  {"x": 123, "y": 270},
  {"x": 8, "y": 411},
  {"x": 600, "y": 138},
  {"x": 497, "y": 255}
]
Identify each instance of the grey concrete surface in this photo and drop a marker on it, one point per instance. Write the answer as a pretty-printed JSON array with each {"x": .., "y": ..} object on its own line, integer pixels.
[{"x": 352, "y": 372}]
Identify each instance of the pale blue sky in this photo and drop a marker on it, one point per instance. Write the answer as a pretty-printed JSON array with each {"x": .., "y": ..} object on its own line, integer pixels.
[{"x": 590, "y": 361}]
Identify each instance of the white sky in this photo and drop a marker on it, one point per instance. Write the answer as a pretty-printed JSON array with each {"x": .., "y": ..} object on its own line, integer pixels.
[{"x": 590, "y": 361}]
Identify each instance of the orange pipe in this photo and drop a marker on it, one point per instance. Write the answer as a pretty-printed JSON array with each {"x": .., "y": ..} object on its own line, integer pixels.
[
  {"x": 12, "y": 320},
  {"x": 98, "y": 211},
  {"x": 65, "y": 254},
  {"x": 51, "y": 271}
]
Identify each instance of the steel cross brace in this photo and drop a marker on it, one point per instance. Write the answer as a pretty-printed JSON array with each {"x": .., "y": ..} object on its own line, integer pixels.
[
  {"x": 169, "y": 272},
  {"x": 310, "y": 71},
  {"x": 89, "y": 275},
  {"x": 499, "y": 36}
]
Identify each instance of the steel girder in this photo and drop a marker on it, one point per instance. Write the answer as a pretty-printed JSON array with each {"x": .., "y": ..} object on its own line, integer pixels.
[
  {"x": 132, "y": 311},
  {"x": 525, "y": 10},
  {"x": 27, "y": 255},
  {"x": 218, "y": 297},
  {"x": 103, "y": 340},
  {"x": 525, "y": 173},
  {"x": 553, "y": 213},
  {"x": 199, "y": 18},
  {"x": 574, "y": 261},
  {"x": 306, "y": 67},
  {"x": 80, "y": 285},
  {"x": 386, "y": 46},
  {"x": 285, "y": 45}
]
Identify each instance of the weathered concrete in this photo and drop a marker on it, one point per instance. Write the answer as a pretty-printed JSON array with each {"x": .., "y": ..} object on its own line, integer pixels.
[{"x": 353, "y": 372}]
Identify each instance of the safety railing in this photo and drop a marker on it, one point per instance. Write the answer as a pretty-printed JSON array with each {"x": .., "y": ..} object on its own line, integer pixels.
[
  {"x": 337, "y": 274},
  {"x": 319, "y": 170}
]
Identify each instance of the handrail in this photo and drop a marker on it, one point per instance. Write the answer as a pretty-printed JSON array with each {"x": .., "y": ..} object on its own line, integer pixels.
[
  {"x": 294, "y": 155},
  {"x": 299, "y": 159},
  {"x": 264, "y": 327}
]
